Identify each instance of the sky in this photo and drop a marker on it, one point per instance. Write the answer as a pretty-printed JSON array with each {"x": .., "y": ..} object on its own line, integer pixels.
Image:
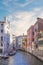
[{"x": 21, "y": 13}]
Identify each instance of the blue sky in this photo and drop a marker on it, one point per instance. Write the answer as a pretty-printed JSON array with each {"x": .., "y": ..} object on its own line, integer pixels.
[{"x": 21, "y": 13}]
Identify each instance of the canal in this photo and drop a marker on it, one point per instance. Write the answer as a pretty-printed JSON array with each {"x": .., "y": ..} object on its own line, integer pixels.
[{"x": 21, "y": 58}]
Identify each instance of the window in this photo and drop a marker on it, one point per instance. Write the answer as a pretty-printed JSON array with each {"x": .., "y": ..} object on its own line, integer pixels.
[
  {"x": 1, "y": 44},
  {"x": 2, "y": 31},
  {"x": 0, "y": 50},
  {"x": 32, "y": 33},
  {"x": 35, "y": 30},
  {"x": 39, "y": 35},
  {"x": 1, "y": 38},
  {"x": 33, "y": 39},
  {"x": 1, "y": 24}
]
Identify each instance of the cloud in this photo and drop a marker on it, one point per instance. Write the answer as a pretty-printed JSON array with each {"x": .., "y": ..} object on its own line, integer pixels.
[
  {"x": 5, "y": 2},
  {"x": 24, "y": 3},
  {"x": 20, "y": 3},
  {"x": 23, "y": 20}
]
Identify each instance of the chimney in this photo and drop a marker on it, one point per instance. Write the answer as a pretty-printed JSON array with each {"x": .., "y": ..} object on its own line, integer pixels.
[
  {"x": 5, "y": 19},
  {"x": 23, "y": 34}
]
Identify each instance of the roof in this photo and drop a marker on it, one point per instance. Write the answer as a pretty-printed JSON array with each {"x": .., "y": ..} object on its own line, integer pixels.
[
  {"x": 30, "y": 28},
  {"x": 2, "y": 21},
  {"x": 22, "y": 36},
  {"x": 40, "y": 24},
  {"x": 39, "y": 20}
]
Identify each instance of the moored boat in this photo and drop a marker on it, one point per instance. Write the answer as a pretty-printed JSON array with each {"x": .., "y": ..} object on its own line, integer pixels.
[
  {"x": 4, "y": 56},
  {"x": 12, "y": 53}
]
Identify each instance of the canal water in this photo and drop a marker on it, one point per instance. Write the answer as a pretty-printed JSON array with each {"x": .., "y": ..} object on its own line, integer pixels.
[{"x": 21, "y": 58}]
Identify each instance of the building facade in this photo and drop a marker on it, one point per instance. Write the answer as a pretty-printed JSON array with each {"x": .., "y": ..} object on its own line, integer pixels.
[
  {"x": 38, "y": 33},
  {"x": 6, "y": 43},
  {"x": 35, "y": 36},
  {"x": 19, "y": 41},
  {"x": 4, "y": 37},
  {"x": 30, "y": 38}
]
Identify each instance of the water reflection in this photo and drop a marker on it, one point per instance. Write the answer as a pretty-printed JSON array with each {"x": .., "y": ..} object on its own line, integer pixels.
[
  {"x": 21, "y": 58},
  {"x": 4, "y": 61}
]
